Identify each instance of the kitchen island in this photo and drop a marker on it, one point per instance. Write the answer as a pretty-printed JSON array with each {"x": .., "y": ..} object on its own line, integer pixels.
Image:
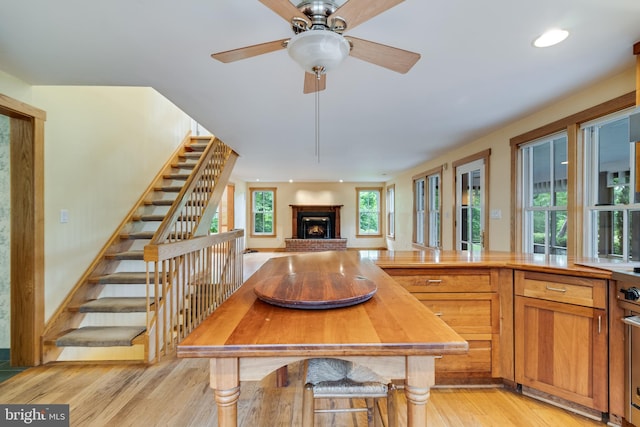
[{"x": 392, "y": 333}]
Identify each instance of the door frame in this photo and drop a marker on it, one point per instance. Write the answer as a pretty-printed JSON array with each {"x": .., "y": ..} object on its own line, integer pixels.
[
  {"x": 484, "y": 156},
  {"x": 26, "y": 140}
]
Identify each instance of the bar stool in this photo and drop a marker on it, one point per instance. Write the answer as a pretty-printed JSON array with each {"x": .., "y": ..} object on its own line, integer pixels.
[{"x": 340, "y": 379}]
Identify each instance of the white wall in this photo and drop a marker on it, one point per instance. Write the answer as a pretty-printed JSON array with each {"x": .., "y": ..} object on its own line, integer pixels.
[
  {"x": 5, "y": 235},
  {"x": 500, "y": 165},
  {"x": 313, "y": 193}
]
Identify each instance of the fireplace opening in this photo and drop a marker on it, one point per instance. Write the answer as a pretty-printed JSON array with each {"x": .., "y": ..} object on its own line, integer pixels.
[
  {"x": 315, "y": 221},
  {"x": 314, "y": 227}
]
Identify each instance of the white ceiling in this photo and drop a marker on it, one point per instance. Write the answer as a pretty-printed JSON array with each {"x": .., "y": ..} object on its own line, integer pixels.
[{"x": 478, "y": 71}]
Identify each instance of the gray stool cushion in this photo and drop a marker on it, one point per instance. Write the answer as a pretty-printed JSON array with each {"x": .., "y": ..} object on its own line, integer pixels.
[{"x": 340, "y": 377}]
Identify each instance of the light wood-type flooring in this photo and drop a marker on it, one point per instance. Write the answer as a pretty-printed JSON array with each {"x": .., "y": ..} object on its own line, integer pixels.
[{"x": 175, "y": 392}]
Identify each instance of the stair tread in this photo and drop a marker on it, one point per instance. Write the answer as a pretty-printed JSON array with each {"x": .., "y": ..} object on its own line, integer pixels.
[
  {"x": 127, "y": 255},
  {"x": 122, "y": 278},
  {"x": 115, "y": 305},
  {"x": 100, "y": 336},
  {"x": 149, "y": 217},
  {"x": 139, "y": 235},
  {"x": 177, "y": 176}
]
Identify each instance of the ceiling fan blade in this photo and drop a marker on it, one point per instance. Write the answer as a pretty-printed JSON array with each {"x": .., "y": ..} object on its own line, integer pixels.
[
  {"x": 394, "y": 59},
  {"x": 312, "y": 84},
  {"x": 355, "y": 12},
  {"x": 249, "y": 51},
  {"x": 285, "y": 9}
]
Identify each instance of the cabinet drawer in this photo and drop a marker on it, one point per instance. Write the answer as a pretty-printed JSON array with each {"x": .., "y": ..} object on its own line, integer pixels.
[
  {"x": 467, "y": 314},
  {"x": 568, "y": 289},
  {"x": 478, "y": 359},
  {"x": 441, "y": 281}
]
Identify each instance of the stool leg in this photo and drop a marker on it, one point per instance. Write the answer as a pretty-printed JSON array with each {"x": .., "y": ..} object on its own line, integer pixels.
[
  {"x": 392, "y": 410},
  {"x": 370, "y": 410},
  {"x": 308, "y": 406}
]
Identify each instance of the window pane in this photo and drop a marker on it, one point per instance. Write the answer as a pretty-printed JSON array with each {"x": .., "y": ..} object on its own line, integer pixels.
[
  {"x": 614, "y": 171},
  {"x": 541, "y": 174},
  {"x": 368, "y": 211},
  {"x": 558, "y": 232},
  {"x": 560, "y": 172},
  {"x": 634, "y": 230},
  {"x": 609, "y": 226},
  {"x": 539, "y": 232}
]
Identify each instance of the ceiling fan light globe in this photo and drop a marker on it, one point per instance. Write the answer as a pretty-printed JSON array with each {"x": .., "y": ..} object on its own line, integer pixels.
[{"x": 318, "y": 49}]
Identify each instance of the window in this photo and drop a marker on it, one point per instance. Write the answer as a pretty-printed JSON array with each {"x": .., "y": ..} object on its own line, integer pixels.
[
  {"x": 613, "y": 202},
  {"x": 426, "y": 208},
  {"x": 419, "y": 198},
  {"x": 391, "y": 211},
  {"x": 434, "y": 210},
  {"x": 368, "y": 202},
  {"x": 263, "y": 217},
  {"x": 544, "y": 193}
]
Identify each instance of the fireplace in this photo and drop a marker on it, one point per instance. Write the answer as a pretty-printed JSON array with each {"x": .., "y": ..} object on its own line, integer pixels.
[
  {"x": 315, "y": 222},
  {"x": 315, "y": 228}
]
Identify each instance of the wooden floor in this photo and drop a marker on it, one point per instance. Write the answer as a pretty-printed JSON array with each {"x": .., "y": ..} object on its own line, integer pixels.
[{"x": 175, "y": 392}]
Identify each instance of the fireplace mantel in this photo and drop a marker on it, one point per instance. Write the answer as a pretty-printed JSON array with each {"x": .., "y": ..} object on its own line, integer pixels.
[{"x": 295, "y": 209}]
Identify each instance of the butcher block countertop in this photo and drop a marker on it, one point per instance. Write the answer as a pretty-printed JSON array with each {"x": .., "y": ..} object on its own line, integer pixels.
[
  {"x": 488, "y": 259},
  {"x": 392, "y": 322}
]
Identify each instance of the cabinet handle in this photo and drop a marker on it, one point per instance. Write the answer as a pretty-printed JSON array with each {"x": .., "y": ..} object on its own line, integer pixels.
[
  {"x": 434, "y": 281},
  {"x": 599, "y": 324},
  {"x": 439, "y": 314},
  {"x": 550, "y": 288}
]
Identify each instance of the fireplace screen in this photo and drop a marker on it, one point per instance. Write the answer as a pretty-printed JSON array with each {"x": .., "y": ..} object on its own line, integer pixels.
[{"x": 314, "y": 227}]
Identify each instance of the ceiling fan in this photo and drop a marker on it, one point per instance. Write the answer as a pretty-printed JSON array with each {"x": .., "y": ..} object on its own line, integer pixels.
[{"x": 318, "y": 44}]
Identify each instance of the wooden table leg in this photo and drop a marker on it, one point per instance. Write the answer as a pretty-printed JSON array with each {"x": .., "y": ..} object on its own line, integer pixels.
[
  {"x": 224, "y": 379},
  {"x": 420, "y": 378},
  {"x": 282, "y": 377}
]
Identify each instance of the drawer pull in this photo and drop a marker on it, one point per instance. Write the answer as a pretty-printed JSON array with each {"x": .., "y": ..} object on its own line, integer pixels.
[
  {"x": 551, "y": 288},
  {"x": 434, "y": 281},
  {"x": 439, "y": 314}
]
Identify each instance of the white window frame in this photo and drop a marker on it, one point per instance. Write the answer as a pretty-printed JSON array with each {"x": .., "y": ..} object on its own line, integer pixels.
[
  {"x": 528, "y": 210},
  {"x": 377, "y": 211},
  {"x": 391, "y": 211},
  {"x": 590, "y": 134},
  {"x": 252, "y": 192}
]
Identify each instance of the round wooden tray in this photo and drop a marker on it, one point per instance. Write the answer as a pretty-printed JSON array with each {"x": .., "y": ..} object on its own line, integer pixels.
[{"x": 315, "y": 290}]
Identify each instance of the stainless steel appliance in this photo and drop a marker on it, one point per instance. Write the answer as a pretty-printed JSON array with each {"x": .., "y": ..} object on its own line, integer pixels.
[{"x": 629, "y": 300}]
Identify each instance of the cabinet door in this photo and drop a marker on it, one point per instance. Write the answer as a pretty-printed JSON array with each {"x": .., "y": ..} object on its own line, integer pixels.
[
  {"x": 561, "y": 349},
  {"x": 476, "y": 318}
]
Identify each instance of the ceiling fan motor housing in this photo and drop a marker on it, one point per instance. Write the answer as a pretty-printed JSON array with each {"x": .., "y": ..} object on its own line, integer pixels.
[{"x": 318, "y": 11}]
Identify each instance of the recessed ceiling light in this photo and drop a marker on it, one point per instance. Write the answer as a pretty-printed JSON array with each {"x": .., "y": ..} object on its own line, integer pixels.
[{"x": 550, "y": 38}]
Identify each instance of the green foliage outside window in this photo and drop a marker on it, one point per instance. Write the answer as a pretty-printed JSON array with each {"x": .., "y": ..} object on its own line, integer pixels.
[
  {"x": 369, "y": 212},
  {"x": 263, "y": 209}
]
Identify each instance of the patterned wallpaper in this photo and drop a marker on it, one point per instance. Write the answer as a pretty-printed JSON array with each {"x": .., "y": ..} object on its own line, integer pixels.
[{"x": 5, "y": 302}]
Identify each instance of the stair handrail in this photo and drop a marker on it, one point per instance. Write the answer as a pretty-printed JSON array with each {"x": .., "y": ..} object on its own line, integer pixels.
[{"x": 197, "y": 190}]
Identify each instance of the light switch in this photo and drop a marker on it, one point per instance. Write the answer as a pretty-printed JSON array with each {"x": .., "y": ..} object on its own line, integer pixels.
[
  {"x": 64, "y": 216},
  {"x": 495, "y": 214}
]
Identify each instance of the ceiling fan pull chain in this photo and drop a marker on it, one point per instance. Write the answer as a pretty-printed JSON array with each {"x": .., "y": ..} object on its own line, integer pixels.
[{"x": 318, "y": 117}]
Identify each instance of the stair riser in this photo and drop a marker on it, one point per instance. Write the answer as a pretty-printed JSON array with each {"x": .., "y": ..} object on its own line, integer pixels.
[
  {"x": 135, "y": 352},
  {"x": 124, "y": 291},
  {"x": 114, "y": 319}
]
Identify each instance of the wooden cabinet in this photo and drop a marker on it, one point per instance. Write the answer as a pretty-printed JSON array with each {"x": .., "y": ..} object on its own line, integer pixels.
[
  {"x": 467, "y": 300},
  {"x": 561, "y": 336}
]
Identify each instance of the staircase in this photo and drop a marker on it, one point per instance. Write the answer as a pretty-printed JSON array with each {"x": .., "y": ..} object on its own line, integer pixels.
[{"x": 110, "y": 311}]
